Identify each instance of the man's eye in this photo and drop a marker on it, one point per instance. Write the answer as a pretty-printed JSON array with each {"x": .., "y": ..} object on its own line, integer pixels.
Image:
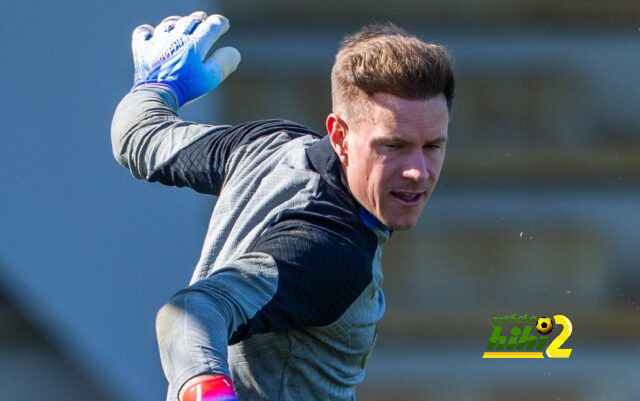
[
  {"x": 432, "y": 147},
  {"x": 392, "y": 146}
]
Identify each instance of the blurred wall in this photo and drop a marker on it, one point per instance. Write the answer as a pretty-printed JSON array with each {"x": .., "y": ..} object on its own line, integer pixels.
[
  {"x": 536, "y": 211},
  {"x": 87, "y": 252}
]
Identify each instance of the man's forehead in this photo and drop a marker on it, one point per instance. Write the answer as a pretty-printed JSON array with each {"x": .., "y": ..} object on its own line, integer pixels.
[
  {"x": 395, "y": 104},
  {"x": 388, "y": 115}
]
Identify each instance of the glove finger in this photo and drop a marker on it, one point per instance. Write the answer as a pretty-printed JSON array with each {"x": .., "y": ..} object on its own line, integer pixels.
[
  {"x": 183, "y": 23},
  {"x": 171, "y": 18},
  {"x": 224, "y": 61},
  {"x": 198, "y": 15},
  {"x": 140, "y": 37},
  {"x": 142, "y": 33},
  {"x": 165, "y": 27},
  {"x": 208, "y": 32}
]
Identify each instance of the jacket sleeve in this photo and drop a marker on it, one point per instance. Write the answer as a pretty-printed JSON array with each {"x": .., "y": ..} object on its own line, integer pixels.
[
  {"x": 154, "y": 143},
  {"x": 297, "y": 274}
]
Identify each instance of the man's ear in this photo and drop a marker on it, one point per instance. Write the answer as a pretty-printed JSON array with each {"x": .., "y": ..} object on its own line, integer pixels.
[{"x": 337, "y": 131}]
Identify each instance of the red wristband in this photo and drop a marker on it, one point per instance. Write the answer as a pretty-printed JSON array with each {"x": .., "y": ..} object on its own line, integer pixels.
[{"x": 219, "y": 388}]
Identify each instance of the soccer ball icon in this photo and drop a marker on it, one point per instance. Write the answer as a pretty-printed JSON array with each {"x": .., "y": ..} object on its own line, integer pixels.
[{"x": 544, "y": 325}]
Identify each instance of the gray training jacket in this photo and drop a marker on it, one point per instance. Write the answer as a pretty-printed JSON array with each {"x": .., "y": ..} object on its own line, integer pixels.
[{"x": 286, "y": 295}]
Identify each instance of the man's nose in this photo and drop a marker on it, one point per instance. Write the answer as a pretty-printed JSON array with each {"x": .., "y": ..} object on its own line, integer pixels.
[{"x": 416, "y": 168}]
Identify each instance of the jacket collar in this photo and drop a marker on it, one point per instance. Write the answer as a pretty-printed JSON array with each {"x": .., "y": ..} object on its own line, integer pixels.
[
  {"x": 325, "y": 161},
  {"x": 322, "y": 156}
]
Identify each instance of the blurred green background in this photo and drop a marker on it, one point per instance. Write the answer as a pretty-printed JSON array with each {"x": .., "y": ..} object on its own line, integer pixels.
[{"x": 537, "y": 210}]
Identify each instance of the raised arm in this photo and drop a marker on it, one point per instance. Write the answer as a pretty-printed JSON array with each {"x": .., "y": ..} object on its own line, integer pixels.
[{"x": 171, "y": 69}]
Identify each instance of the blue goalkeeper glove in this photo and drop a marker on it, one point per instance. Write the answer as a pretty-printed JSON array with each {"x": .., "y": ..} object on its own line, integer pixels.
[{"x": 173, "y": 54}]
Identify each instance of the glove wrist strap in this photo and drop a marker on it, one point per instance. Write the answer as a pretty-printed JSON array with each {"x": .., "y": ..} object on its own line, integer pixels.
[{"x": 218, "y": 388}]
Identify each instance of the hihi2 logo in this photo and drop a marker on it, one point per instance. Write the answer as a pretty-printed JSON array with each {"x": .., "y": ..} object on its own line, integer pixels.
[{"x": 528, "y": 345}]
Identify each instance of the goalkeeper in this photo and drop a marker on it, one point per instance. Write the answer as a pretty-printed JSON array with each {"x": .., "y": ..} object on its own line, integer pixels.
[{"x": 284, "y": 301}]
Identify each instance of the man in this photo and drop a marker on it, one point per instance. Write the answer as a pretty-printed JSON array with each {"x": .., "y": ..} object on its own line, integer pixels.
[{"x": 284, "y": 301}]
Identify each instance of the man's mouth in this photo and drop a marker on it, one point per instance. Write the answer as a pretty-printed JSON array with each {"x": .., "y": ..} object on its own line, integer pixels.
[{"x": 408, "y": 197}]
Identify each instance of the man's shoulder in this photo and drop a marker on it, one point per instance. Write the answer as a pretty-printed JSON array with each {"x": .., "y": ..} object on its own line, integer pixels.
[
  {"x": 323, "y": 266},
  {"x": 267, "y": 143},
  {"x": 324, "y": 237},
  {"x": 325, "y": 246},
  {"x": 254, "y": 130}
]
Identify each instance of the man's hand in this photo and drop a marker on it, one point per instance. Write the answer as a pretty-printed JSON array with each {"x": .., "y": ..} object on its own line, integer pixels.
[{"x": 174, "y": 54}]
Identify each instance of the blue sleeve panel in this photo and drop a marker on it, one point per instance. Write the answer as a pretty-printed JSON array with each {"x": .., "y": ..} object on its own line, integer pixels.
[
  {"x": 201, "y": 165},
  {"x": 154, "y": 143},
  {"x": 323, "y": 266}
]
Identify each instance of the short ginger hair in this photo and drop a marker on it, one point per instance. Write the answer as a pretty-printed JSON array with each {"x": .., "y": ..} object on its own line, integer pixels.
[{"x": 387, "y": 59}]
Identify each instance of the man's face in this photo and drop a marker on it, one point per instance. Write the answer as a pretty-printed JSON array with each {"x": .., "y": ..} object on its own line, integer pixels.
[{"x": 392, "y": 156}]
